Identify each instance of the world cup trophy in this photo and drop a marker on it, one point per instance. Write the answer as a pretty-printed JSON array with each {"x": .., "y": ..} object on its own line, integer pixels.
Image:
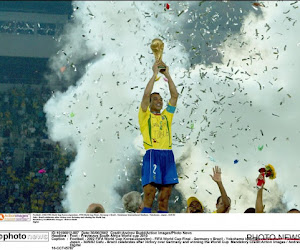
[{"x": 157, "y": 47}]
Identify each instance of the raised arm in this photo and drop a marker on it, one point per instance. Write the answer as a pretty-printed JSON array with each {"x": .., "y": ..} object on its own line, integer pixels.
[
  {"x": 259, "y": 206},
  {"x": 217, "y": 178},
  {"x": 148, "y": 90},
  {"x": 172, "y": 87}
]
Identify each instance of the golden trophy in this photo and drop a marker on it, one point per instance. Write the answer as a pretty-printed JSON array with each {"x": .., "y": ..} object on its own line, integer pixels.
[{"x": 157, "y": 47}]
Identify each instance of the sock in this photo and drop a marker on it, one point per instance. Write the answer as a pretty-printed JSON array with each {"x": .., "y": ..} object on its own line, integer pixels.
[
  {"x": 146, "y": 210},
  {"x": 162, "y": 212}
]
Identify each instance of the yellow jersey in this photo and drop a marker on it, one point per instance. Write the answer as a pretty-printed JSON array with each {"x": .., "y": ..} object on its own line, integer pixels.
[{"x": 156, "y": 128}]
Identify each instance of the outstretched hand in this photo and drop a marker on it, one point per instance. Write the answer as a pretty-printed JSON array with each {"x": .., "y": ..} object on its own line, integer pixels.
[{"x": 217, "y": 174}]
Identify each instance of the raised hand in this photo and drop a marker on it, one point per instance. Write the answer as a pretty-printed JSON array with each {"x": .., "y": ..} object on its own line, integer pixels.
[
  {"x": 260, "y": 180},
  {"x": 164, "y": 71},
  {"x": 217, "y": 174},
  {"x": 155, "y": 68}
]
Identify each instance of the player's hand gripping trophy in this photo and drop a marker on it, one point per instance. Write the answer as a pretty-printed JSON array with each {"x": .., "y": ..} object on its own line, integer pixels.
[{"x": 157, "y": 47}]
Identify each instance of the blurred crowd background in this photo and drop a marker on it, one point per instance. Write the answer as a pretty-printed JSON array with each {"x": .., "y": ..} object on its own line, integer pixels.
[{"x": 32, "y": 167}]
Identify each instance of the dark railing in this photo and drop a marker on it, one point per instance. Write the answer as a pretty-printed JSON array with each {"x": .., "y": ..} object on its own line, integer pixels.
[
  {"x": 24, "y": 80},
  {"x": 30, "y": 28}
]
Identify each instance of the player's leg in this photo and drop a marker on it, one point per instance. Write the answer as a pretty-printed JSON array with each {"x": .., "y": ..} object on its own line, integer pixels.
[
  {"x": 149, "y": 194},
  {"x": 163, "y": 198},
  {"x": 169, "y": 179}
]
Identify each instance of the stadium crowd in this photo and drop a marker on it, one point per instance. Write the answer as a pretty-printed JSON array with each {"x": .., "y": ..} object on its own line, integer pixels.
[{"x": 32, "y": 168}]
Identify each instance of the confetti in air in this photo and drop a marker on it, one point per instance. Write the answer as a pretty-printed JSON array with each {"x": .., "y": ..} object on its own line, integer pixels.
[
  {"x": 62, "y": 69},
  {"x": 235, "y": 65},
  {"x": 157, "y": 78},
  {"x": 42, "y": 171}
]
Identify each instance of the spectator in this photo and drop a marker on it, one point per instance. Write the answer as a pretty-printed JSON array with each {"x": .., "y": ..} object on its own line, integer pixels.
[
  {"x": 250, "y": 210},
  {"x": 133, "y": 202},
  {"x": 95, "y": 208},
  {"x": 259, "y": 207},
  {"x": 194, "y": 205},
  {"x": 294, "y": 210},
  {"x": 23, "y": 127},
  {"x": 223, "y": 202},
  {"x": 220, "y": 205}
]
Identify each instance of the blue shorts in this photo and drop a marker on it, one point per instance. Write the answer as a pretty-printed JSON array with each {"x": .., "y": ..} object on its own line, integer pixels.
[{"x": 159, "y": 167}]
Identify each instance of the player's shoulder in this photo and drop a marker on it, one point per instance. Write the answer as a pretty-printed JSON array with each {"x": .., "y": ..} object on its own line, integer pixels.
[
  {"x": 142, "y": 112},
  {"x": 141, "y": 109}
]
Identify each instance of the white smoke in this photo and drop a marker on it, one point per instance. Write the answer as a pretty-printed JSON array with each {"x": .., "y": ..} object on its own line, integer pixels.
[
  {"x": 99, "y": 114},
  {"x": 258, "y": 79},
  {"x": 221, "y": 111}
]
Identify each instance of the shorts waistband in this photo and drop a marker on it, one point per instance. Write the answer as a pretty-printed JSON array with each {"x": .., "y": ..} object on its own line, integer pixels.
[{"x": 159, "y": 149}]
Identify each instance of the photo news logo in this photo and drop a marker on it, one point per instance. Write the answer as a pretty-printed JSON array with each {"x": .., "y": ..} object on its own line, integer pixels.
[
  {"x": 261, "y": 237},
  {"x": 22, "y": 237}
]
